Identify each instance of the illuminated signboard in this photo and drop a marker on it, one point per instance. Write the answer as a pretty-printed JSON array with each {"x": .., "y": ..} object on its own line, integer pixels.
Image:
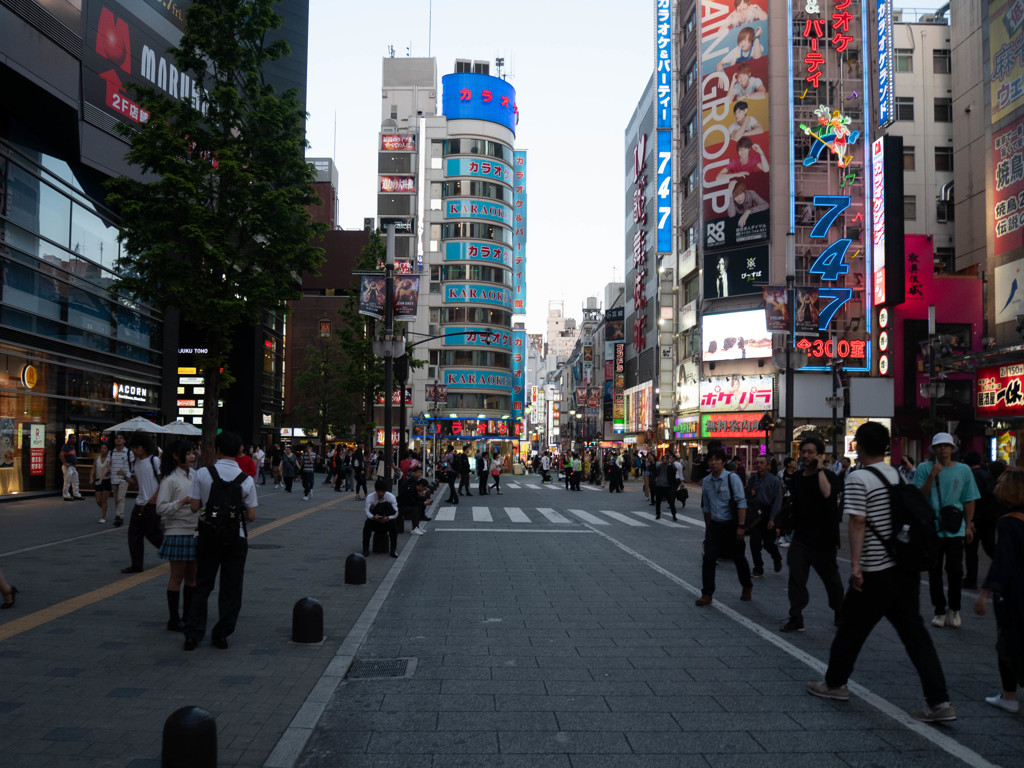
[
  {"x": 397, "y": 184},
  {"x": 519, "y": 199},
  {"x": 878, "y": 217},
  {"x": 472, "y": 96},
  {"x": 853, "y": 352},
  {"x": 663, "y": 100},
  {"x": 396, "y": 397},
  {"x": 1008, "y": 187},
  {"x": 467, "y": 166},
  {"x": 402, "y": 226},
  {"x": 518, "y": 373},
  {"x": 686, "y": 427},
  {"x": 469, "y": 251},
  {"x": 477, "y": 209},
  {"x": 724, "y": 394},
  {"x": 476, "y": 337},
  {"x": 886, "y": 65},
  {"x": 640, "y": 244},
  {"x": 398, "y": 143},
  {"x": 884, "y": 342},
  {"x": 735, "y": 336},
  {"x": 734, "y": 273},
  {"x": 478, "y": 294},
  {"x": 472, "y": 428},
  {"x": 1006, "y": 66},
  {"x": 731, "y": 425},
  {"x": 468, "y": 379},
  {"x": 618, "y": 391},
  {"x": 1000, "y": 391},
  {"x": 735, "y": 136}
]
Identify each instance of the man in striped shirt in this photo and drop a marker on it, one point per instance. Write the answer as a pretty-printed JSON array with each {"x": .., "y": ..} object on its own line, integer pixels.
[{"x": 877, "y": 587}]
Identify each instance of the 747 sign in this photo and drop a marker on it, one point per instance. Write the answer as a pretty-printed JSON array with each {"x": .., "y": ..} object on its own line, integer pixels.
[{"x": 831, "y": 263}]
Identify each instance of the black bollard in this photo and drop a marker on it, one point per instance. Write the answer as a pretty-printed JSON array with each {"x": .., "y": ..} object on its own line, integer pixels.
[
  {"x": 307, "y": 621},
  {"x": 355, "y": 569},
  {"x": 190, "y": 739}
]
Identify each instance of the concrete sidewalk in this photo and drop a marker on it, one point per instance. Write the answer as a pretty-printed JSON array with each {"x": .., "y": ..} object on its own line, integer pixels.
[{"x": 91, "y": 673}]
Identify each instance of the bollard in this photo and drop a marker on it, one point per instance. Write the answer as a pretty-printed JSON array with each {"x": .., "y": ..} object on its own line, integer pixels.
[
  {"x": 355, "y": 569},
  {"x": 190, "y": 739},
  {"x": 307, "y": 621}
]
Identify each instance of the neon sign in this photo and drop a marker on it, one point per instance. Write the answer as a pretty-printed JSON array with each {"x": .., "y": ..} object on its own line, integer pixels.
[{"x": 640, "y": 244}]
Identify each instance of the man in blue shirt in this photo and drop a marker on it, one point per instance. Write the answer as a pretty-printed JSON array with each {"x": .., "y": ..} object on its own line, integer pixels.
[
  {"x": 723, "y": 529},
  {"x": 948, "y": 483}
]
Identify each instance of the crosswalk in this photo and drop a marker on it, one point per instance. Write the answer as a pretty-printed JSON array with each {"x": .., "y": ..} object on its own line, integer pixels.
[{"x": 548, "y": 516}]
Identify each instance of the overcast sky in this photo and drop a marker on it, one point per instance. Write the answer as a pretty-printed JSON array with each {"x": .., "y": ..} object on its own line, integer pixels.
[{"x": 578, "y": 68}]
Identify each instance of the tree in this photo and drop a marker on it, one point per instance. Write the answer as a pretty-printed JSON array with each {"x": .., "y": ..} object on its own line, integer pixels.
[{"x": 220, "y": 228}]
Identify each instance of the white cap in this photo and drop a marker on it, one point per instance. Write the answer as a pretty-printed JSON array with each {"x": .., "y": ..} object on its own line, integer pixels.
[{"x": 943, "y": 438}]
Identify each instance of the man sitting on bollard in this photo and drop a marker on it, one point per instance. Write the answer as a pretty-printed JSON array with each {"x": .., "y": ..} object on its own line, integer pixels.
[{"x": 381, "y": 514}]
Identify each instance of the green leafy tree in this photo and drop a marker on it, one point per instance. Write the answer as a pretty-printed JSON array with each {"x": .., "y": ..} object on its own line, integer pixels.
[{"x": 219, "y": 228}]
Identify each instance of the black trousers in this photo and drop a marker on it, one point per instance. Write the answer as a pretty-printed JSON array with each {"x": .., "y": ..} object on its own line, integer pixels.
[
  {"x": 665, "y": 493},
  {"x": 370, "y": 527},
  {"x": 801, "y": 559},
  {"x": 720, "y": 541},
  {"x": 951, "y": 551},
  {"x": 288, "y": 483},
  {"x": 464, "y": 482},
  {"x": 453, "y": 496},
  {"x": 895, "y": 596},
  {"x": 307, "y": 483},
  {"x": 985, "y": 537},
  {"x": 143, "y": 524},
  {"x": 482, "y": 482},
  {"x": 211, "y": 558},
  {"x": 762, "y": 538}
]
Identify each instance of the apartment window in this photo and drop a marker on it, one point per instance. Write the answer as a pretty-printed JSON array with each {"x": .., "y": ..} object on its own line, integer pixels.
[
  {"x": 691, "y": 76},
  {"x": 691, "y": 24},
  {"x": 690, "y": 132},
  {"x": 691, "y": 183},
  {"x": 942, "y": 61},
  {"x": 910, "y": 207},
  {"x": 943, "y": 213},
  {"x": 905, "y": 108},
  {"x": 904, "y": 60},
  {"x": 909, "y": 160},
  {"x": 943, "y": 158},
  {"x": 944, "y": 110}
]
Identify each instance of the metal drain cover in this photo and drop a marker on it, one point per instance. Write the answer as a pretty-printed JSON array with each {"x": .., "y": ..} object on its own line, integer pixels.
[{"x": 365, "y": 669}]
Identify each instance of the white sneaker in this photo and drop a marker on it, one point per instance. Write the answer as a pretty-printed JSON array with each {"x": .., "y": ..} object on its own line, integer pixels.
[
  {"x": 101, "y": 520},
  {"x": 305, "y": 498},
  {"x": 1007, "y": 705},
  {"x": 417, "y": 531},
  {"x": 939, "y": 621},
  {"x": 953, "y": 620}
]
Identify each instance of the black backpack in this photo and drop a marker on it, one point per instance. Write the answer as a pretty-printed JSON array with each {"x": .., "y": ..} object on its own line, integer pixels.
[
  {"x": 915, "y": 540},
  {"x": 224, "y": 511}
]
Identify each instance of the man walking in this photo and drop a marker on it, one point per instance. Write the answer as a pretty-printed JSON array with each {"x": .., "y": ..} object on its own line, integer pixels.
[
  {"x": 145, "y": 522},
  {"x": 212, "y": 555},
  {"x": 462, "y": 462},
  {"x": 545, "y": 467},
  {"x": 950, "y": 488},
  {"x": 764, "y": 491},
  {"x": 120, "y": 474},
  {"x": 877, "y": 587},
  {"x": 815, "y": 534},
  {"x": 481, "y": 473},
  {"x": 725, "y": 511},
  {"x": 69, "y": 465},
  {"x": 664, "y": 487}
]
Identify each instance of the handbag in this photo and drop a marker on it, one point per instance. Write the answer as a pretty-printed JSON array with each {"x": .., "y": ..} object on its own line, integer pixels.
[
  {"x": 495, "y": 472},
  {"x": 951, "y": 519}
]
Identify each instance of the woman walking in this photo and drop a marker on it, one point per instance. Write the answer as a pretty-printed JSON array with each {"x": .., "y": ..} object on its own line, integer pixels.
[
  {"x": 496, "y": 472},
  {"x": 179, "y": 546},
  {"x": 308, "y": 466},
  {"x": 100, "y": 480},
  {"x": 289, "y": 468},
  {"x": 1005, "y": 582}
]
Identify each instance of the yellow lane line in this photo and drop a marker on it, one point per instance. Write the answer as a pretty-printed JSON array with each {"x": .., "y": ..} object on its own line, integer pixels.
[{"x": 43, "y": 616}]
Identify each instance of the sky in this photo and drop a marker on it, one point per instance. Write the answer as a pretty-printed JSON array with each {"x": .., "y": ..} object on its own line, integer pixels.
[{"x": 579, "y": 69}]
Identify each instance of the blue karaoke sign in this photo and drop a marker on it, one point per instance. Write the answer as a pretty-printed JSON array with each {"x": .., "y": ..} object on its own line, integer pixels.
[{"x": 471, "y": 96}]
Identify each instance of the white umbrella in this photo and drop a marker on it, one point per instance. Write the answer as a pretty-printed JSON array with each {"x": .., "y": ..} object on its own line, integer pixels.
[
  {"x": 138, "y": 424},
  {"x": 180, "y": 427}
]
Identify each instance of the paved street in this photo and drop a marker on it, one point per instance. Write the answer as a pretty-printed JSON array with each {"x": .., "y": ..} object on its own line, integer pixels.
[{"x": 536, "y": 628}]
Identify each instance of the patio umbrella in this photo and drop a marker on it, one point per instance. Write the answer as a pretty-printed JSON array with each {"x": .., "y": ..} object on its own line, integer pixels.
[
  {"x": 138, "y": 424},
  {"x": 180, "y": 427}
]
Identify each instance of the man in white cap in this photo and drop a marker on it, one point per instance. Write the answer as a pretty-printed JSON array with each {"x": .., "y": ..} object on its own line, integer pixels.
[{"x": 950, "y": 488}]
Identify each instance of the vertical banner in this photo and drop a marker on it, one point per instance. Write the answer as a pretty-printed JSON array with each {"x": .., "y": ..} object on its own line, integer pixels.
[
  {"x": 371, "y": 296},
  {"x": 886, "y": 65},
  {"x": 1006, "y": 39},
  {"x": 1008, "y": 188},
  {"x": 518, "y": 373},
  {"x": 663, "y": 99},
  {"x": 407, "y": 291},
  {"x": 519, "y": 234},
  {"x": 734, "y": 107},
  {"x": 618, "y": 391}
]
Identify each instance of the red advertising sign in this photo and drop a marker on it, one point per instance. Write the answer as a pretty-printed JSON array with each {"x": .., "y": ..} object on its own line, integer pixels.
[
  {"x": 726, "y": 425},
  {"x": 397, "y": 183},
  {"x": 821, "y": 351},
  {"x": 1008, "y": 188},
  {"x": 393, "y": 143},
  {"x": 1001, "y": 391}
]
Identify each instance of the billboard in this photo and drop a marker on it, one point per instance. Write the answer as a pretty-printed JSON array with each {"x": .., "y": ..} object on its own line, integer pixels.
[
  {"x": 390, "y": 142},
  {"x": 519, "y": 200},
  {"x": 518, "y": 373},
  {"x": 469, "y": 379},
  {"x": 734, "y": 108},
  {"x": 735, "y": 273},
  {"x": 1008, "y": 290},
  {"x": 724, "y": 394},
  {"x": 1008, "y": 187},
  {"x": 663, "y": 101},
  {"x": 1000, "y": 391},
  {"x": 1006, "y": 38},
  {"x": 461, "y": 337},
  {"x": 477, "y": 294},
  {"x": 731, "y": 425},
  {"x": 476, "y": 209},
  {"x": 397, "y": 184},
  {"x": 407, "y": 294},
  {"x": 735, "y": 336},
  {"x": 886, "y": 65},
  {"x": 371, "y": 296},
  {"x": 464, "y": 250},
  {"x": 472, "y": 96},
  {"x": 469, "y": 166}
]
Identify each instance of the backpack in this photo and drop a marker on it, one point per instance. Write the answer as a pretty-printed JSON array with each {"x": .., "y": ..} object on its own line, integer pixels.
[
  {"x": 915, "y": 540},
  {"x": 224, "y": 511}
]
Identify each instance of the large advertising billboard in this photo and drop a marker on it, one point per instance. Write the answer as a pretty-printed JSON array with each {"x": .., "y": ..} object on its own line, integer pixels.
[
  {"x": 735, "y": 336},
  {"x": 477, "y": 294},
  {"x": 734, "y": 107},
  {"x": 1008, "y": 187},
  {"x": 1001, "y": 392},
  {"x": 468, "y": 166},
  {"x": 464, "y": 250},
  {"x": 1006, "y": 39},
  {"x": 735, "y": 273},
  {"x": 723, "y": 394},
  {"x": 472, "y": 96}
]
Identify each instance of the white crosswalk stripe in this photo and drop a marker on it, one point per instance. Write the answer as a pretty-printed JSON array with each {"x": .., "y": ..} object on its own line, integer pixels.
[
  {"x": 444, "y": 514},
  {"x": 516, "y": 515},
  {"x": 623, "y": 518},
  {"x": 649, "y": 516},
  {"x": 514, "y": 486},
  {"x": 482, "y": 515},
  {"x": 587, "y": 517},
  {"x": 553, "y": 516}
]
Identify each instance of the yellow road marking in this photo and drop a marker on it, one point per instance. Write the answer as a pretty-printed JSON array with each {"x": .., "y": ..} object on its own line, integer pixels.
[{"x": 43, "y": 616}]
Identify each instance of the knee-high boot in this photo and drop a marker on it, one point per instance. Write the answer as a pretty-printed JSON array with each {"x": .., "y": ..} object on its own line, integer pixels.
[
  {"x": 174, "y": 622},
  {"x": 186, "y": 603}
]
